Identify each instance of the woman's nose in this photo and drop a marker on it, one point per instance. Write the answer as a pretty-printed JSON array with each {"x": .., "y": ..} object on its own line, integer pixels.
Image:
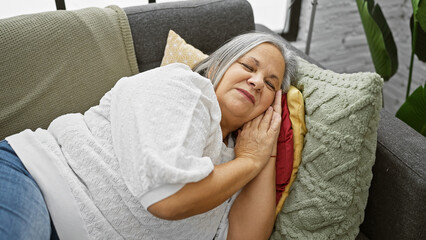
[{"x": 256, "y": 81}]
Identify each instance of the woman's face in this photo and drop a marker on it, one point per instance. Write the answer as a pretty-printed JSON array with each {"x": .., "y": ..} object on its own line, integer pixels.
[{"x": 249, "y": 85}]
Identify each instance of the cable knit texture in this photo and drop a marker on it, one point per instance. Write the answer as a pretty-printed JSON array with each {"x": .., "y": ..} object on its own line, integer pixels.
[{"x": 328, "y": 198}]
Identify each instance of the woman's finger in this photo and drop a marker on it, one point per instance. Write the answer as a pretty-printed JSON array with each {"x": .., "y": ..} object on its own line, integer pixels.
[
  {"x": 266, "y": 120},
  {"x": 275, "y": 124},
  {"x": 277, "y": 102}
]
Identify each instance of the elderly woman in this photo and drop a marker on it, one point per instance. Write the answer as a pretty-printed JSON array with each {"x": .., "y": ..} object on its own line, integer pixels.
[{"x": 171, "y": 153}]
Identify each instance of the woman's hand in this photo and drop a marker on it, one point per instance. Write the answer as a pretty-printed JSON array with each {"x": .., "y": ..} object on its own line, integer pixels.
[
  {"x": 255, "y": 142},
  {"x": 257, "y": 137}
]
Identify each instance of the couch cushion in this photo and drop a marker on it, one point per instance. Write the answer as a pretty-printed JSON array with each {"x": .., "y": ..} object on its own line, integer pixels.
[
  {"x": 296, "y": 108},
  {"x": 361, "y": 236},
  {"x": 396, "y": 206},
  {"x": 328, "y": 198},
  {"x": 285, "y": 153},
  {"x": 178, "y": 51},
  {"x": 206, "y": 24}
]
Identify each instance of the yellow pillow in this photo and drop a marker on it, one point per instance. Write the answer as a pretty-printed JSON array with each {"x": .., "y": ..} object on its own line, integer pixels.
[
  {"x": 178, "y": 51},
  {"x": 296, "y": 108}
]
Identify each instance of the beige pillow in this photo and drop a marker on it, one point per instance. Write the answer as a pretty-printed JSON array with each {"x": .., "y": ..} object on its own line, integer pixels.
[{"x": 178, "y": 51}]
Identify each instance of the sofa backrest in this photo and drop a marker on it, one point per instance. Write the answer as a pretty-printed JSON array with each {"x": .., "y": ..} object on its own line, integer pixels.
[{"x": 205, "y": 24}]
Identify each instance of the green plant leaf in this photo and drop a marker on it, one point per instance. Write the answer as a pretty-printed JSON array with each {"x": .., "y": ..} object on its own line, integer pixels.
[
  {"x": 420, "y": 50},
  {"x": 421, "y": 14},
  {"x": 415, "y": 4},
  {"x": 413, "y": 111},
  {"x": 379, "y": 37}
]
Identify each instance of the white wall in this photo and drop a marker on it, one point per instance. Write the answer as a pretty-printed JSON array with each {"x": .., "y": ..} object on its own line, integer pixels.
[
  {"x": 271, "y": 13},
  {"x": 339, "y": 43},
  {"x": 19, "y": 7}
]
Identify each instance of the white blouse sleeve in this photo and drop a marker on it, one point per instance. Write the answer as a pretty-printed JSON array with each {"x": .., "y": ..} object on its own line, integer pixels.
[{"x": 161, "y": 121}]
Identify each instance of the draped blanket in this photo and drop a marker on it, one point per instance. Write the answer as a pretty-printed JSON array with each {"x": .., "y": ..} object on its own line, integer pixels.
[{"x": 59, "y": 62}]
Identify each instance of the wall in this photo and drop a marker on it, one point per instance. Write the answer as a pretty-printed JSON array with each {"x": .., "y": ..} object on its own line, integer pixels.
[{"x": 339, "y": 43}]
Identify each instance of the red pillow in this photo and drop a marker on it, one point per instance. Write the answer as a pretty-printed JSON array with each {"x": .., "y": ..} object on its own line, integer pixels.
[{"x": 285, "y": 151}]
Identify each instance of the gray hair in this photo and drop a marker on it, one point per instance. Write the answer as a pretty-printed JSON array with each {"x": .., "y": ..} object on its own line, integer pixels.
[{"x": 219, "y": 61}]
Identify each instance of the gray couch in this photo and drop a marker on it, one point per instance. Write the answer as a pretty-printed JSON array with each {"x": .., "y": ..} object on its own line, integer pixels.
[{"x": 396, "y": 206}]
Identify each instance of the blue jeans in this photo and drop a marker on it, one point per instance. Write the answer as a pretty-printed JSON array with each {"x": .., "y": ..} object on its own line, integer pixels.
[{"x": 23, "y": 211}]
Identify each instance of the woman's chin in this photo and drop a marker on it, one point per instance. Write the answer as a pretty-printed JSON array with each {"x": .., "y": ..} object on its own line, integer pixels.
[
  {"x": 237, "y": 112},
  {"x": 240, "y": 111},
  {"x": 241, "y": 117}
]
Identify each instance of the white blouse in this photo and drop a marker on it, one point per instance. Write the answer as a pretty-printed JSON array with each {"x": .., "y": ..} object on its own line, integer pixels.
[{"x": 150, "y": 135}]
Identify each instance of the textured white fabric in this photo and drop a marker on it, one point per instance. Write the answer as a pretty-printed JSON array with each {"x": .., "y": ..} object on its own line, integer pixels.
[
  {"x": 151, "y": 134},
  {"x": 146, "y": 110}
]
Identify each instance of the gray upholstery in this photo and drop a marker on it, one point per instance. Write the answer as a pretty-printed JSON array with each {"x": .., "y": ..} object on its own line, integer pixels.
[
  {"x": 396, "y": 206},
  {"x": 397, "y": 202},
  {"x": 361, "y": 236},
  {"x": 206, "y": 24}
]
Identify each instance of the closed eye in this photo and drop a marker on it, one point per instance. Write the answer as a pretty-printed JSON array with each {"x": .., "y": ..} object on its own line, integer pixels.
[
  {"x": 247, "y": 67},
  {"x": 270, "y": 84}
]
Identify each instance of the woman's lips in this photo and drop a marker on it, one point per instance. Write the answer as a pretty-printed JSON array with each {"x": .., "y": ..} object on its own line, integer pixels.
[{"x": 246, "y": 94}]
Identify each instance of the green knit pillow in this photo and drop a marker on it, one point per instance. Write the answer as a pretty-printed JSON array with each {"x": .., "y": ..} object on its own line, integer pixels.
[{"x": 328, "y": 198}]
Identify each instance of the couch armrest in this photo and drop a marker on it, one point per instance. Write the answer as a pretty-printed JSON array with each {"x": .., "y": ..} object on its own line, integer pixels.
[
  {"x": 206, "y": 24},
  {"x": 396, "y": 207}
]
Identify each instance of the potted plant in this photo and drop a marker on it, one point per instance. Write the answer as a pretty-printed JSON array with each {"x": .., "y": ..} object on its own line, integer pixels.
[{"x": 385, "y": 59}]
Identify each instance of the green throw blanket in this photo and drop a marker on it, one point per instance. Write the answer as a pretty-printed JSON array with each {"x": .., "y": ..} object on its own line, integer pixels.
[{"x": 60, "y": 62}]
